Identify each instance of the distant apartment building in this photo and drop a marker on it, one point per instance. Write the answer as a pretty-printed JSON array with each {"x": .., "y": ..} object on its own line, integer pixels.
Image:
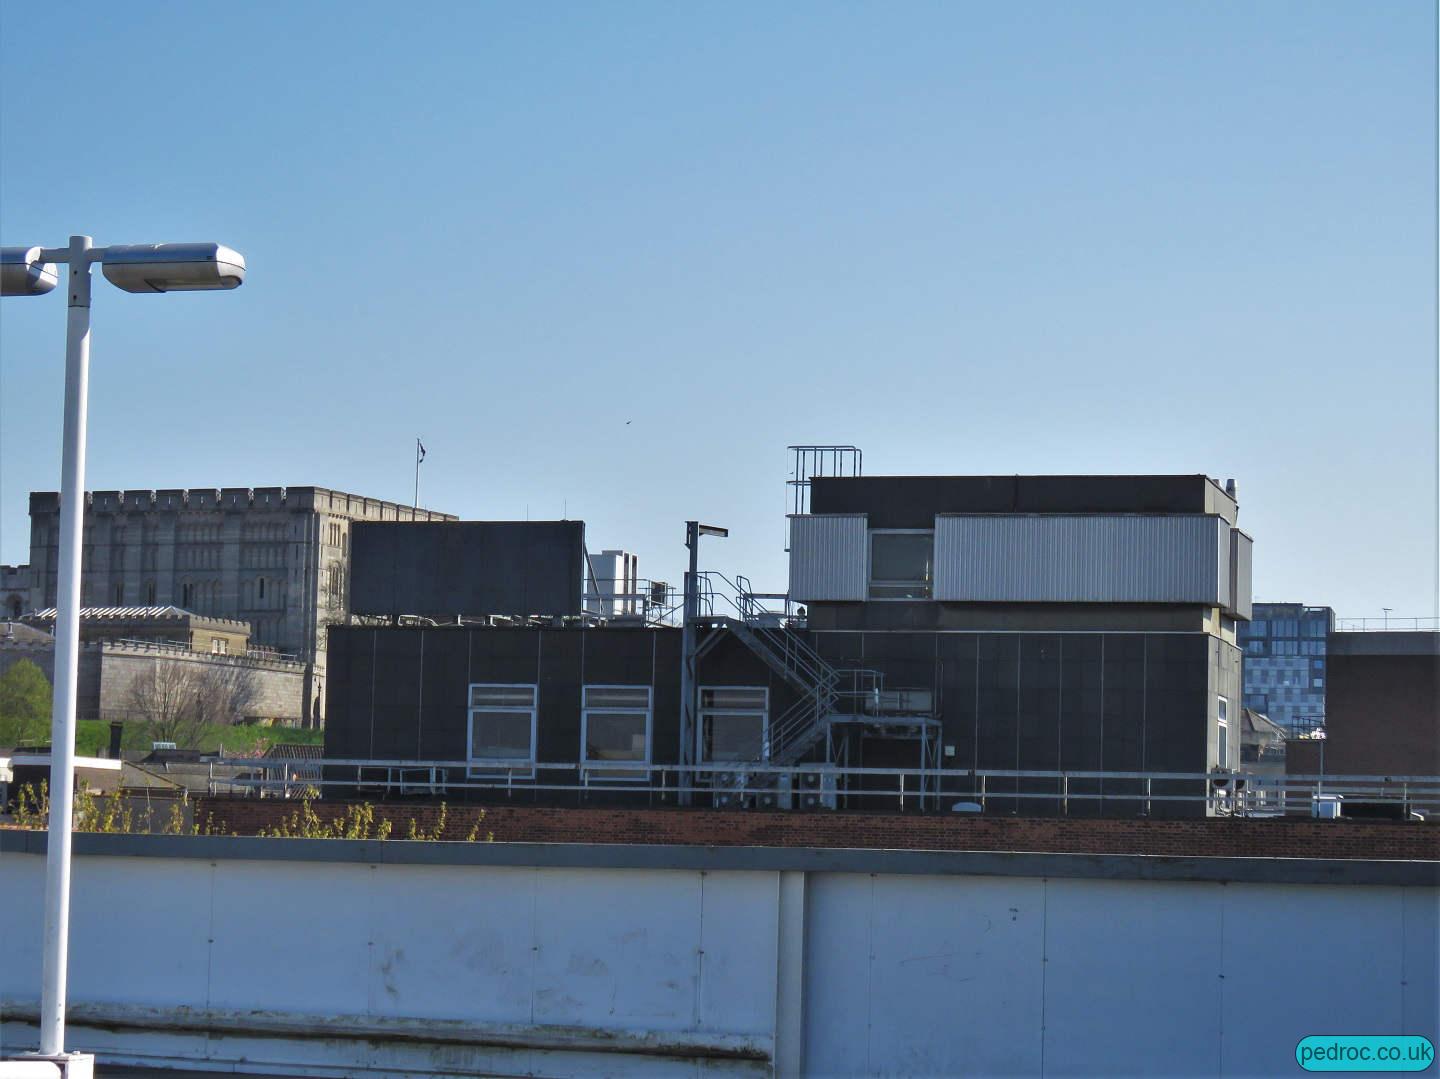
[
  {"x": 274, "y": 557},
  {"x": 1285, "y": 655}
]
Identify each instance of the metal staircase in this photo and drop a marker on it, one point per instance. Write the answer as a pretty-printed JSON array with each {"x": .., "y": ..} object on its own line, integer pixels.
[{"x": 823, "y": 690}]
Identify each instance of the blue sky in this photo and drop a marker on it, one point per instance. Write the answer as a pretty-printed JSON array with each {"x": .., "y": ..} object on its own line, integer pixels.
[{"x": 969, "y": 238}]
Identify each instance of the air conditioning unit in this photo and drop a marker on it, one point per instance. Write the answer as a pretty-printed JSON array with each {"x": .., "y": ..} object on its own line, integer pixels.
[{"x": 829, "y": 790}]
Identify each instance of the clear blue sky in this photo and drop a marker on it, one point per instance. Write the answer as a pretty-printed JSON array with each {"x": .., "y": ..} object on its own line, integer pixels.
[{"x": 970, "y": 238}]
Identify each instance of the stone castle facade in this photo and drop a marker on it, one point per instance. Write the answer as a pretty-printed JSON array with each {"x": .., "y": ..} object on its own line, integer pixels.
[{"x": 275, "y": 557}]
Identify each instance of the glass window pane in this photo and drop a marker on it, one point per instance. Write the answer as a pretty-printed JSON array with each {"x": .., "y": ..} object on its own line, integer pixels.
[
  {"x": 733, "y": 698},
  {"x": 502, "y": 696},
  {"x": 617, "y": 697},
  {"x": 615, "y": 736},
  {"x": 500, "y": 736},
  {"x": 901, "y": 556},
  {"x": 731, "y": 736}
]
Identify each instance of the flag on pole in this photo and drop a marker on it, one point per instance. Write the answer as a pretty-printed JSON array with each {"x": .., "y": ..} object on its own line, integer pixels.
[{"x": 419, "y": 451}]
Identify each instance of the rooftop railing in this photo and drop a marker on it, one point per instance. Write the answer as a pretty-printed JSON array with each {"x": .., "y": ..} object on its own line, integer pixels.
[
  {"x": 1391, "y": 623},
  {"x": 819, "y": 786}
]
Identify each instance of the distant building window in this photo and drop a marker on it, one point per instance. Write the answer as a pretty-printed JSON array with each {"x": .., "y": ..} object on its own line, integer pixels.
[
  {"x": 1259, "y": 628},
  {"x": 735, "y": 722},
  {"x": 219, "y": 646},
  {"x": 901, "y": 564},
  {"x": 150, "y": 593},
  {"x": 615, "y": 726},
  {"x": 502, "y": 728},
  {"x": 120, "y": 593},
  {"x": 186, "y": 595},
  {"x": 260, "y": 587}
]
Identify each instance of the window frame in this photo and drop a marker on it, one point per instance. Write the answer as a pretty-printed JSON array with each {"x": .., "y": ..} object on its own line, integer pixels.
[
  {"x": 489, "y": 767},
  {"x": 616, "y": 770},
  {"x": 1222, "y": 731},
  {"x": 871, "y": 580},
  {"x": 703, "y": 714}
]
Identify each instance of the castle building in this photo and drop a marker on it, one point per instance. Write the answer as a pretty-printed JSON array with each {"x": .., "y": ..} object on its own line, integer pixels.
[{"x": 275, "y": 557}]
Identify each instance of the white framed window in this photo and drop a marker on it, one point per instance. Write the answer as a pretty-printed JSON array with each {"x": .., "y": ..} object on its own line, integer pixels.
[
  {"x": 219, "y": 646},
  {"x": 1222, "y": 742},
  {"x": 902, "y": 563},
  {"x": 501, "y": 731},
  {"x": 615, "y": 723},
  {"x": 735, "y": 721}
]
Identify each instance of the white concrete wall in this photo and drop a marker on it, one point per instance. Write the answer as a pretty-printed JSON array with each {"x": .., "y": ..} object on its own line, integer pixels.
[{"x": 332, "y": 968}]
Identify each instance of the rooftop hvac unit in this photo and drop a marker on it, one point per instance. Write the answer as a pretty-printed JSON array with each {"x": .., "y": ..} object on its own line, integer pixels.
[{"x": 659, "y": 593}]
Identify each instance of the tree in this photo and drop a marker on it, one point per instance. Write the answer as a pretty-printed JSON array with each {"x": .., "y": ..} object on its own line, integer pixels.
[
  {"x": 25, "y": 697},
  {"x": 178, "y": 699}
]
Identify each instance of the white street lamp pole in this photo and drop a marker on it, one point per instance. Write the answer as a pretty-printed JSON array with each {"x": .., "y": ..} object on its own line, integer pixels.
[
  {"x": 67, "y": 654},
  {"x": 30, "y": 271}
]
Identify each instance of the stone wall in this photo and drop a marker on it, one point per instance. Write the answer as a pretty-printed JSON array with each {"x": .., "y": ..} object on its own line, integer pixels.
[{"x": 108, "y": 669}]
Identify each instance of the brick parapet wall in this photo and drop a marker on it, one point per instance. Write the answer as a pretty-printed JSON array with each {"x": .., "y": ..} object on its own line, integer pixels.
[{"x": 1342, "y": 839}]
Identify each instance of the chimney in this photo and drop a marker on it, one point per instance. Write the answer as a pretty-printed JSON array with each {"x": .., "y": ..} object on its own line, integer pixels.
[
  {"x": 116, "y": 730},
  {"x": 1230, "y": 488}
]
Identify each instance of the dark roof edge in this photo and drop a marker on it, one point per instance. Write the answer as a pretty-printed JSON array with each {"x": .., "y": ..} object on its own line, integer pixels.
[{"x": 804, "y": 859}]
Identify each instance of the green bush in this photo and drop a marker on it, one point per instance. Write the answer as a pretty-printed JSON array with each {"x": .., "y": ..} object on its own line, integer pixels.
[{"x": 25, "y": 696}]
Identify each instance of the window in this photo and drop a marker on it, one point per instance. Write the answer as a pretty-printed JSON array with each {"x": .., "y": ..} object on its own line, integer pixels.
[
  {"x": 615, "y": 726},
  {"x": 1259, "y": 628},
  {"x": 119, "y": 594},
  {"x": 1222, "y": 745},
  {"x": 219, "y": 646},
  {"x": 900, "y": 564},
  {"x": 502, "y": 728},
  {"x": 735, "y": 722},
  {"x": 150, "y": 593}
]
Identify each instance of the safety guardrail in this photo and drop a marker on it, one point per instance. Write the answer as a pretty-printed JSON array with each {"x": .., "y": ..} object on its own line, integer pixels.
[{"x": 1238, "y": 794}]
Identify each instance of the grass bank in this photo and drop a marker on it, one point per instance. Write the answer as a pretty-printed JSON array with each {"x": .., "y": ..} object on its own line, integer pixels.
[{"x": 93, "y": 736}]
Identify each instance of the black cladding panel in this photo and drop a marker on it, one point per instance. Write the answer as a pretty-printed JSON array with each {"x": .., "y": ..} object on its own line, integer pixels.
[
  {"x": 913, "y": 501},
  {"x": 440, "y": 569}
]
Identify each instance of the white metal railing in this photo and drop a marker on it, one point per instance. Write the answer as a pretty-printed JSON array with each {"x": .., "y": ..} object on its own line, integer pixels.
[
  {"x": 1392, "y": 623},
  {"x": 992, "y": 789}
]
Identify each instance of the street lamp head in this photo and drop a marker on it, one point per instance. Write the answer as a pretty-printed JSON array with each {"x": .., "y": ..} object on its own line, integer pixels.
[
  {"x": 173, "y": 267},
  {"x": 23, "y": 274}
]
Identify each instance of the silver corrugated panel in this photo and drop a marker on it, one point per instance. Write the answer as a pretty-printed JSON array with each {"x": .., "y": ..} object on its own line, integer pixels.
[
  {"x": 1082, "y": 559},
  {"x": 1241, "y": 585},
  {"x": 827, "y": 556}
]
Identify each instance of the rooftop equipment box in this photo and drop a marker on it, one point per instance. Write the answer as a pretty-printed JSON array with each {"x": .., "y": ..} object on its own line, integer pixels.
[{"x": 441, "y": 569}]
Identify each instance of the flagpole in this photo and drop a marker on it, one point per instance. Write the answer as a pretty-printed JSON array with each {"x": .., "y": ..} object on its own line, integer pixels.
[{"x": 418, "y": 455}]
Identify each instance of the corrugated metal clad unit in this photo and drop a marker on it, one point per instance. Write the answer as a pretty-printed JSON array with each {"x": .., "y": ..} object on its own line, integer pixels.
[
  {"x": 827, "y": 557},
  {"x": 1240, "y": 583},
  {"x": 1074, "y": 558}
]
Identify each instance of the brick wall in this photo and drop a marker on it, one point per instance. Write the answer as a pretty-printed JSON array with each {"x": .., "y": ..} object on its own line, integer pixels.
[{"x": 709, "y": 827}]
